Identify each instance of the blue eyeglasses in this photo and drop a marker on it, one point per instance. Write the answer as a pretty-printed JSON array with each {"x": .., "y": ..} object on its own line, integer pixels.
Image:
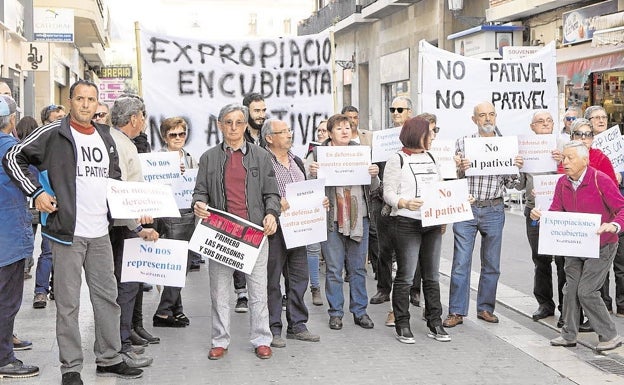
[{"x": 570, "y": 118}]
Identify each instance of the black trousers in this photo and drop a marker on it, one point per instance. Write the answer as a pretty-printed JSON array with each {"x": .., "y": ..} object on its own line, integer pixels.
[
  {"x": 293, "y": 264},
  {"x": 126, "y": 291}
]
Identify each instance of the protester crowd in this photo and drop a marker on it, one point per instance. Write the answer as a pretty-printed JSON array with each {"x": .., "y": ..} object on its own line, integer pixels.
[{"x": 60, "y": 169}]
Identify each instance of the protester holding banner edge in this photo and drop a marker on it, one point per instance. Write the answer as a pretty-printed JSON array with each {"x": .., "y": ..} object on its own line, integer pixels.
[{"x": 238, "y": 177}]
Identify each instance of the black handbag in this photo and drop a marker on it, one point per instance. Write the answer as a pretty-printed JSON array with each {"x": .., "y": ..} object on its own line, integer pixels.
[{"x": 180, "y": 229}]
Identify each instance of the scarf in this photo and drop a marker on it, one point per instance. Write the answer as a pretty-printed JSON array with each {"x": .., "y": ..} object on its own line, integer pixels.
[{"x": 349, "y": 205}]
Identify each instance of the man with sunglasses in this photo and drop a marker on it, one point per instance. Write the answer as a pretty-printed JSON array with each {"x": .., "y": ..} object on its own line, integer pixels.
[
  {"x": 400, "y": 111},
  {"x": 102, "y": 114},
  {"x": 571, "y": 114},
  {"x": 51, "y": 113}
]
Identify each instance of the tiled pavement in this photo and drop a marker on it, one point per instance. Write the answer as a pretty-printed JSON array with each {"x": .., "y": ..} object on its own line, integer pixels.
[{"x": 515, "y": 351}]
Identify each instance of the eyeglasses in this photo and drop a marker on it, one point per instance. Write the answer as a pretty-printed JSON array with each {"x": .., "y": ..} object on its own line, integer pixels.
[
  {"x": 542, "y": 121},
  {"x": 436, "y": 129},
  {"x": 321, "y": 130},
  {"x": 289, "y": 131},
  {"x": 600, "y": 117},
  {"x": 398, "y": 109},
  {"x": 100, "y": 115},
  {"x": 582, "y": 134},
  {"x": 173, "y": 135},
  {"x": 570, "y": 118}
]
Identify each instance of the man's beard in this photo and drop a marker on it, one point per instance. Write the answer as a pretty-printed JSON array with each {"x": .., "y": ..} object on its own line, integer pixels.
[
  {"x": 254, "y": 126},
  {"x": 488, "y": 128}
]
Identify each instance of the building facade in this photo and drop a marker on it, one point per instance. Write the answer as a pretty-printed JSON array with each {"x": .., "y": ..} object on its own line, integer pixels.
[
  {"x": 79, "y": 56},
  {"x": 376, "y": 44}
]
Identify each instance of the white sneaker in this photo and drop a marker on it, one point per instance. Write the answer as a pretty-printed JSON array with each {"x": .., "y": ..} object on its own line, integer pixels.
[{"x": 609, "y": 345}]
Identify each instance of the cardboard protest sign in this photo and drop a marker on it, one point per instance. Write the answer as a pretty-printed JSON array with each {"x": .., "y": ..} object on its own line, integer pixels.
[
  {"x": 443, "y": 152},
  {"x": 491, "y": 155},
  {"x": 544, "y": 190},
  {"x": 445, "y": 202},
  {"x": 569, "y": 234},
  {"x": 344, "y": 165},
  {"x": 229, "y": 240},
  {"x": 160, "y": 167},
  {"x": 131, "y": 200},
  {"x": 160, "y": 263},
  {"x": 536, "y": 151},
  {"x": 611, "y": 143},
  {"x": 183, "y": 188},
  {"x": 305, "y": 222},
  {"x": 196, "y": 77},
  {"x": 385, "y": 143}
]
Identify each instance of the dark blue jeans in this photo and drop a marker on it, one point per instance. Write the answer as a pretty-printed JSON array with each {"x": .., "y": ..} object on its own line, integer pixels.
[
  {"x": 416, "y": 246},
  {"x": 44, "y": 266},
  {"x": 11, "y": 291}
]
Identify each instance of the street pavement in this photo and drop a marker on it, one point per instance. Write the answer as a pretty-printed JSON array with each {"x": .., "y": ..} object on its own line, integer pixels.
[{"x": 515, "y": 351}]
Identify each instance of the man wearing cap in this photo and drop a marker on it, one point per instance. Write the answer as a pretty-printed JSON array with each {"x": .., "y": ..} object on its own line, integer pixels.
[
  {"x": 78, "y": 156},
  {"x": 16, "y": 236},
  {"x": 51, "y": 113}
]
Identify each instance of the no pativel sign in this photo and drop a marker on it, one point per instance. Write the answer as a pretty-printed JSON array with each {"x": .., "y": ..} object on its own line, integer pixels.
[
  {"x": 194, "y": 79},
  {"x": 229, "y": 240},
  {"x": 452, "y": 85}
]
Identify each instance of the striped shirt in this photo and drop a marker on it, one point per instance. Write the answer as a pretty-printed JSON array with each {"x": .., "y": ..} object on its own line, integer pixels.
[
  {"x": 286, "y": 175},
  {"x": 485, "y": 187}
]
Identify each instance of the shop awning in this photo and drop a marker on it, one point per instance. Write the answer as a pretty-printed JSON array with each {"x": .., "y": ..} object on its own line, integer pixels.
[{"x": 577, "y": 71}]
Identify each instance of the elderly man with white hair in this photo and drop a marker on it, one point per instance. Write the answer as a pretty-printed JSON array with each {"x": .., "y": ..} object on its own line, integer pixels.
[{"x": 584, "y": 189}]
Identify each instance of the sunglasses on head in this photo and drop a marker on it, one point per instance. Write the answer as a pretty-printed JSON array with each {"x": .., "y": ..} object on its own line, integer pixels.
[
  {"x": 398, "y": 109},
  {"x": 173, "y": 135}
]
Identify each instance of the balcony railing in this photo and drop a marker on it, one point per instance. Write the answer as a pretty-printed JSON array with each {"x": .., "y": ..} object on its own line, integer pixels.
[{"x": 328, "y": 16}]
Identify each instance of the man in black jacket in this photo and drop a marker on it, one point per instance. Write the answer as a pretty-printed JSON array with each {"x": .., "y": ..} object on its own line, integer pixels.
[{"x": 76, "y": 157}]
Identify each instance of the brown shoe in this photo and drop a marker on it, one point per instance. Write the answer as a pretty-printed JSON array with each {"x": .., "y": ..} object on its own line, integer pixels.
[
  {"x": 217, "y": 353},
  {"x": 263, "y": 352},
  {"x": 453, "y": 320},
  {"x": 487, "y": 316}
]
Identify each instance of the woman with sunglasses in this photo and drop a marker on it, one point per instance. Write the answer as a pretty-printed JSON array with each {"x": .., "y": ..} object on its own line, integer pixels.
[
  {"x": 581, "y": 129},
  {"x": 169, "y": 312}
]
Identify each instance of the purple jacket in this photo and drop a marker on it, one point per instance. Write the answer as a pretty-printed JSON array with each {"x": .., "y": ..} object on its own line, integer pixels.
[{"x": 597, "y": 194}]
